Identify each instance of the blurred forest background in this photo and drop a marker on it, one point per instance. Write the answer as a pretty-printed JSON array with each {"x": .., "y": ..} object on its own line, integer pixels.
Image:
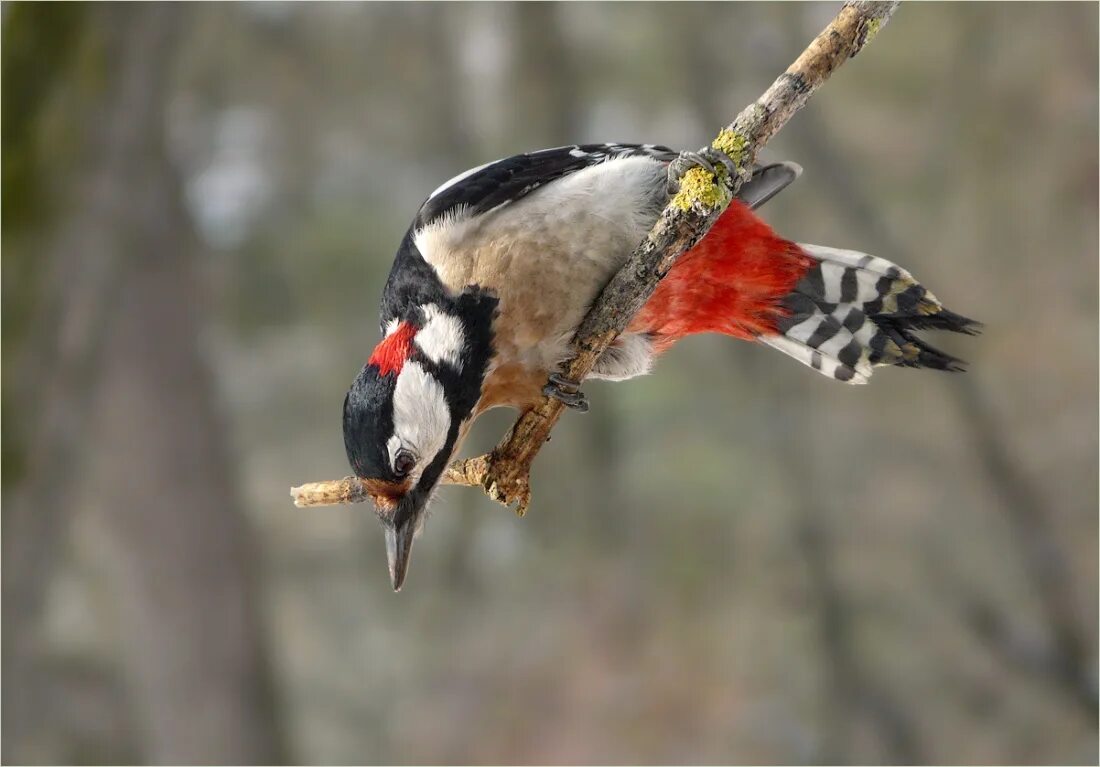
[{"x": 732, "y": 560}]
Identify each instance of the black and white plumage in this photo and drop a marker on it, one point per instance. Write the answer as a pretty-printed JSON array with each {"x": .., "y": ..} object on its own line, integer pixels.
[
  {"x": 487, "y": 187},
  {"x": 852, "y": 311},
  {"x": 490, "y": 186},
  {"x": 502, "y": 262}
]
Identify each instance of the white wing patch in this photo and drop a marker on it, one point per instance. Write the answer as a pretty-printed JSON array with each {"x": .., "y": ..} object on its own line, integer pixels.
[
  {"x": 441, "y": 339},
  {"x": 421, "y": 419}
]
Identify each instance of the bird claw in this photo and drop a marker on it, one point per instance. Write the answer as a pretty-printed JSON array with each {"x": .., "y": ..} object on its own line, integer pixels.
[
  {"x": 708, "y": 158},
  {"x": 567, "y": 392}
]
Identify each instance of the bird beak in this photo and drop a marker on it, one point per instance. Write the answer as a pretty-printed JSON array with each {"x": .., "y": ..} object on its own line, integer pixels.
[{"x": 399, "y": 543}]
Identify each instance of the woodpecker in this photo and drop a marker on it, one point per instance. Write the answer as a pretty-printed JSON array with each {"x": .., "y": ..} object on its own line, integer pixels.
[{"x": 502, "y": 262}]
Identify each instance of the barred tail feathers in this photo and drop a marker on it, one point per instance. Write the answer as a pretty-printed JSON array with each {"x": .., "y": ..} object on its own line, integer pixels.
[
  {"x": 851, "y": 311},
  {"x": 840, "y": 312}
]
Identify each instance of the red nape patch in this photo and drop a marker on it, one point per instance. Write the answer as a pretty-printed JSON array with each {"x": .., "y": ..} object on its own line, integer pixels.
[
  {"x": 731, "y": 282},
  {"x": 390, "y": 355}
]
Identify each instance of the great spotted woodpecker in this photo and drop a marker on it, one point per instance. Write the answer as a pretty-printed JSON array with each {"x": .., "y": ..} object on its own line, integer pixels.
[{"x": 502, "y": 263}]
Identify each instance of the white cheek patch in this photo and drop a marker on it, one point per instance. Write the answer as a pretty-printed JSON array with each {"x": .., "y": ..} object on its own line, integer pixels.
[
  {"x": 421, "y": 419},
  {"x": 441, "y": 339},
  {"x": 391, "y": 327}
]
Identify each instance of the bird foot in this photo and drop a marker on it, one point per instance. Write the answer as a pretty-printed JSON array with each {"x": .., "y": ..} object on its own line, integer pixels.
[
  {"x": 567, "y": 392},
  {"x": 708, "y": 158}
]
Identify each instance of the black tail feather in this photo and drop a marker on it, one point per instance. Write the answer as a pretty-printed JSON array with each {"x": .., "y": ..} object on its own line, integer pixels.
[
  {"x": 915, "y": 352},
  {"x": 944, "y": 319}
]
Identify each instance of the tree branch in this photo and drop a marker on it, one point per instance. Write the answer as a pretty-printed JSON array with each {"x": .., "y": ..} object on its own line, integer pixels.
[{"x": 504, "y": 474}]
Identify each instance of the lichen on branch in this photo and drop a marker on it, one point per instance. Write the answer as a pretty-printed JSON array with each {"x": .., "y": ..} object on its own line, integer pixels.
[{"x": 698, "y": 188}]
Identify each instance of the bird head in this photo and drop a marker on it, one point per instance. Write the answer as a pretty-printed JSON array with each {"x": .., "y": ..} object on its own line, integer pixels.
[{"x": 406, "y": 413}]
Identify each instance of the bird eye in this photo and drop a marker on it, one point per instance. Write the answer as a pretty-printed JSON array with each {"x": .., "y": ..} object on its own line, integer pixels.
[{"x": 403, "y": 462}]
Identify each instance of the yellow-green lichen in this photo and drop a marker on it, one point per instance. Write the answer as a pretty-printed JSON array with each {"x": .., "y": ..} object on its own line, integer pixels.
[
  {"x": 871, "y": 29},
  {"x": 699, "y": 187},
  {"x": 732, "y": 143}
]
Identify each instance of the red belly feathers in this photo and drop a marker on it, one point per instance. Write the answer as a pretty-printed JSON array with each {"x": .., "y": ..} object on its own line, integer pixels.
[{"x": 730, "y": 283}]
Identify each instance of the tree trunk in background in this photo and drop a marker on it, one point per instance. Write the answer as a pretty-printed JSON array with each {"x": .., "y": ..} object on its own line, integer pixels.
[
  {"x": 57, "y": 351},
  {"x": 180, "y": 545},
  {"x": 195, "y": 672},
  {"x": 196, "y": 668}
]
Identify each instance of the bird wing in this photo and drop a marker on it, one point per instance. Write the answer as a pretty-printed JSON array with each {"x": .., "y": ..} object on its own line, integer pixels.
[
  {"x": 498, "y": 183},
  {"x": 490, "y": 186}
]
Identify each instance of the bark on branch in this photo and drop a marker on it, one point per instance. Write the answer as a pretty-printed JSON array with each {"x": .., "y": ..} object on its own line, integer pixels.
[{"x": 504, "y": 474}]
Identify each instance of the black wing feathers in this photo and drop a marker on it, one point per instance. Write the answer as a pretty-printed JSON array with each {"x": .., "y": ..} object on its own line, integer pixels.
[{"x": 513, "y": 178}]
